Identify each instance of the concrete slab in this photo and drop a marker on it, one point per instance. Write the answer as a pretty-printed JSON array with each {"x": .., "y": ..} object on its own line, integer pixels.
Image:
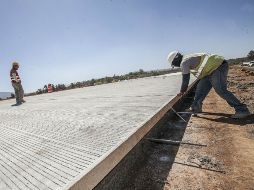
[{"x": 54, "y": 140}]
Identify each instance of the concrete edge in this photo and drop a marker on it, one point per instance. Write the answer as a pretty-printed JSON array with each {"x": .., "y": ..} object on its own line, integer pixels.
[{"x": 89, "y": 180}]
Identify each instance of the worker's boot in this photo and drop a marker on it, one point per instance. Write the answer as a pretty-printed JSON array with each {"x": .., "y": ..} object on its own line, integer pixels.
[
  {"x": 195, "y": 108},
  {"x": 241, "y": 115},
  {"x": 17, "y": 104}
]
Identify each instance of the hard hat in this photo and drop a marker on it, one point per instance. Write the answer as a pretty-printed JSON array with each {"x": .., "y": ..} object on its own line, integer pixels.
[
  {"x": 175, "y": 58},
  {"x": 15, "y": 64},
  {"x": 171, "y": 56}
]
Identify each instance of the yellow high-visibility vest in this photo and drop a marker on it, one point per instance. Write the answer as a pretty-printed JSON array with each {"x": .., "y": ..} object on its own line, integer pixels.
[{"x": 208, "y": 64}]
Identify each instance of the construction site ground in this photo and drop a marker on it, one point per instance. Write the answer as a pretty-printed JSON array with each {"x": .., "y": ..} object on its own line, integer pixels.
[
  {"x": 228, "y": 160},
  {"x": 221, "y": 153}
]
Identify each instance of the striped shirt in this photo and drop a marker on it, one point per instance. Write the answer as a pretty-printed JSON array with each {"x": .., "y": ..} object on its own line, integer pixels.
[{"x": 14, "y": 76}]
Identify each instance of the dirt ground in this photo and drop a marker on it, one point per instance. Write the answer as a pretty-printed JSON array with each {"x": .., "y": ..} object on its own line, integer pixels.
[
  {"x": 226, "y": 161},
  {"x": 216, "y": 153}
]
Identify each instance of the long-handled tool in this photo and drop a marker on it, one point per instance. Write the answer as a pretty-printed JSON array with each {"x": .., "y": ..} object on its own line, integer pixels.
[
  {"x": 171, "y": 142},
  {"x": 178, "y": 115}
]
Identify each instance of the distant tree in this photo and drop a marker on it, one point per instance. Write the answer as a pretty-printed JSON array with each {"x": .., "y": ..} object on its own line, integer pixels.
[
  {"x": 72, "y": 85},
  {"x": 141, "y": 70},
  {"x": 108, "y": 79},
  {"x": 78, "y": 84},
  {"x": 251, "y": 54},
  {"x": 53, "y": 87},
  {"x": 61, "y": 86},
  {"x": 92, "y": 82},
  {"x": 39, "y": 91}
]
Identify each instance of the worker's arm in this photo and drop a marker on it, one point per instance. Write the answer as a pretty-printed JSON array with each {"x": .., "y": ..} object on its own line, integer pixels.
[{"x": 185, "y": 83}]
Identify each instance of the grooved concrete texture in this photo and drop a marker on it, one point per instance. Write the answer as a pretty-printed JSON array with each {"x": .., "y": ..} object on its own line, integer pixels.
[{"x": 54, "y": 140}]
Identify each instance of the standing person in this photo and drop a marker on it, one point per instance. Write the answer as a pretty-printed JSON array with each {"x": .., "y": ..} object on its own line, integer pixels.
[
  {"x": 16, "y": 83},
  {"x": 212, "y": 71}
]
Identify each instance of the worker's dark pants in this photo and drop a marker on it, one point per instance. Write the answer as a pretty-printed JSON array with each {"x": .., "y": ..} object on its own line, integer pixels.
[
  {"x": 19, "y": 92},
  {"x": 217, "y": 80}
]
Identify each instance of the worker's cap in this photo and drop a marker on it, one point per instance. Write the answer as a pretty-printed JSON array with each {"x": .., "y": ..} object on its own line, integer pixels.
[
  {"x": 175, "y": 58},
  {"x": 15, "y": 64}
]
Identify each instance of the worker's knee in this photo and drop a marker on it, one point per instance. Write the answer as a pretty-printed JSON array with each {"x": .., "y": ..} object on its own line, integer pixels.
[{"x": 222, "y": 92}]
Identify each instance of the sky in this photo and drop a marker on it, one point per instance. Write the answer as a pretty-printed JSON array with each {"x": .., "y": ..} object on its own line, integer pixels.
[{"x": 64, "y": 41}]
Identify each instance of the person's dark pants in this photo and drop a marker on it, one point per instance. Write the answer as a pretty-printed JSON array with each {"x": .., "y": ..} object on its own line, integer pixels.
[
  {"x": 217, "y": 80},
  {"x": 19, "y": 92}
]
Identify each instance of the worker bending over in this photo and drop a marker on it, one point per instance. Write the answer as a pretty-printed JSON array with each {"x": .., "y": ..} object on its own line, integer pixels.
[{"x": 212, "y": 71}]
